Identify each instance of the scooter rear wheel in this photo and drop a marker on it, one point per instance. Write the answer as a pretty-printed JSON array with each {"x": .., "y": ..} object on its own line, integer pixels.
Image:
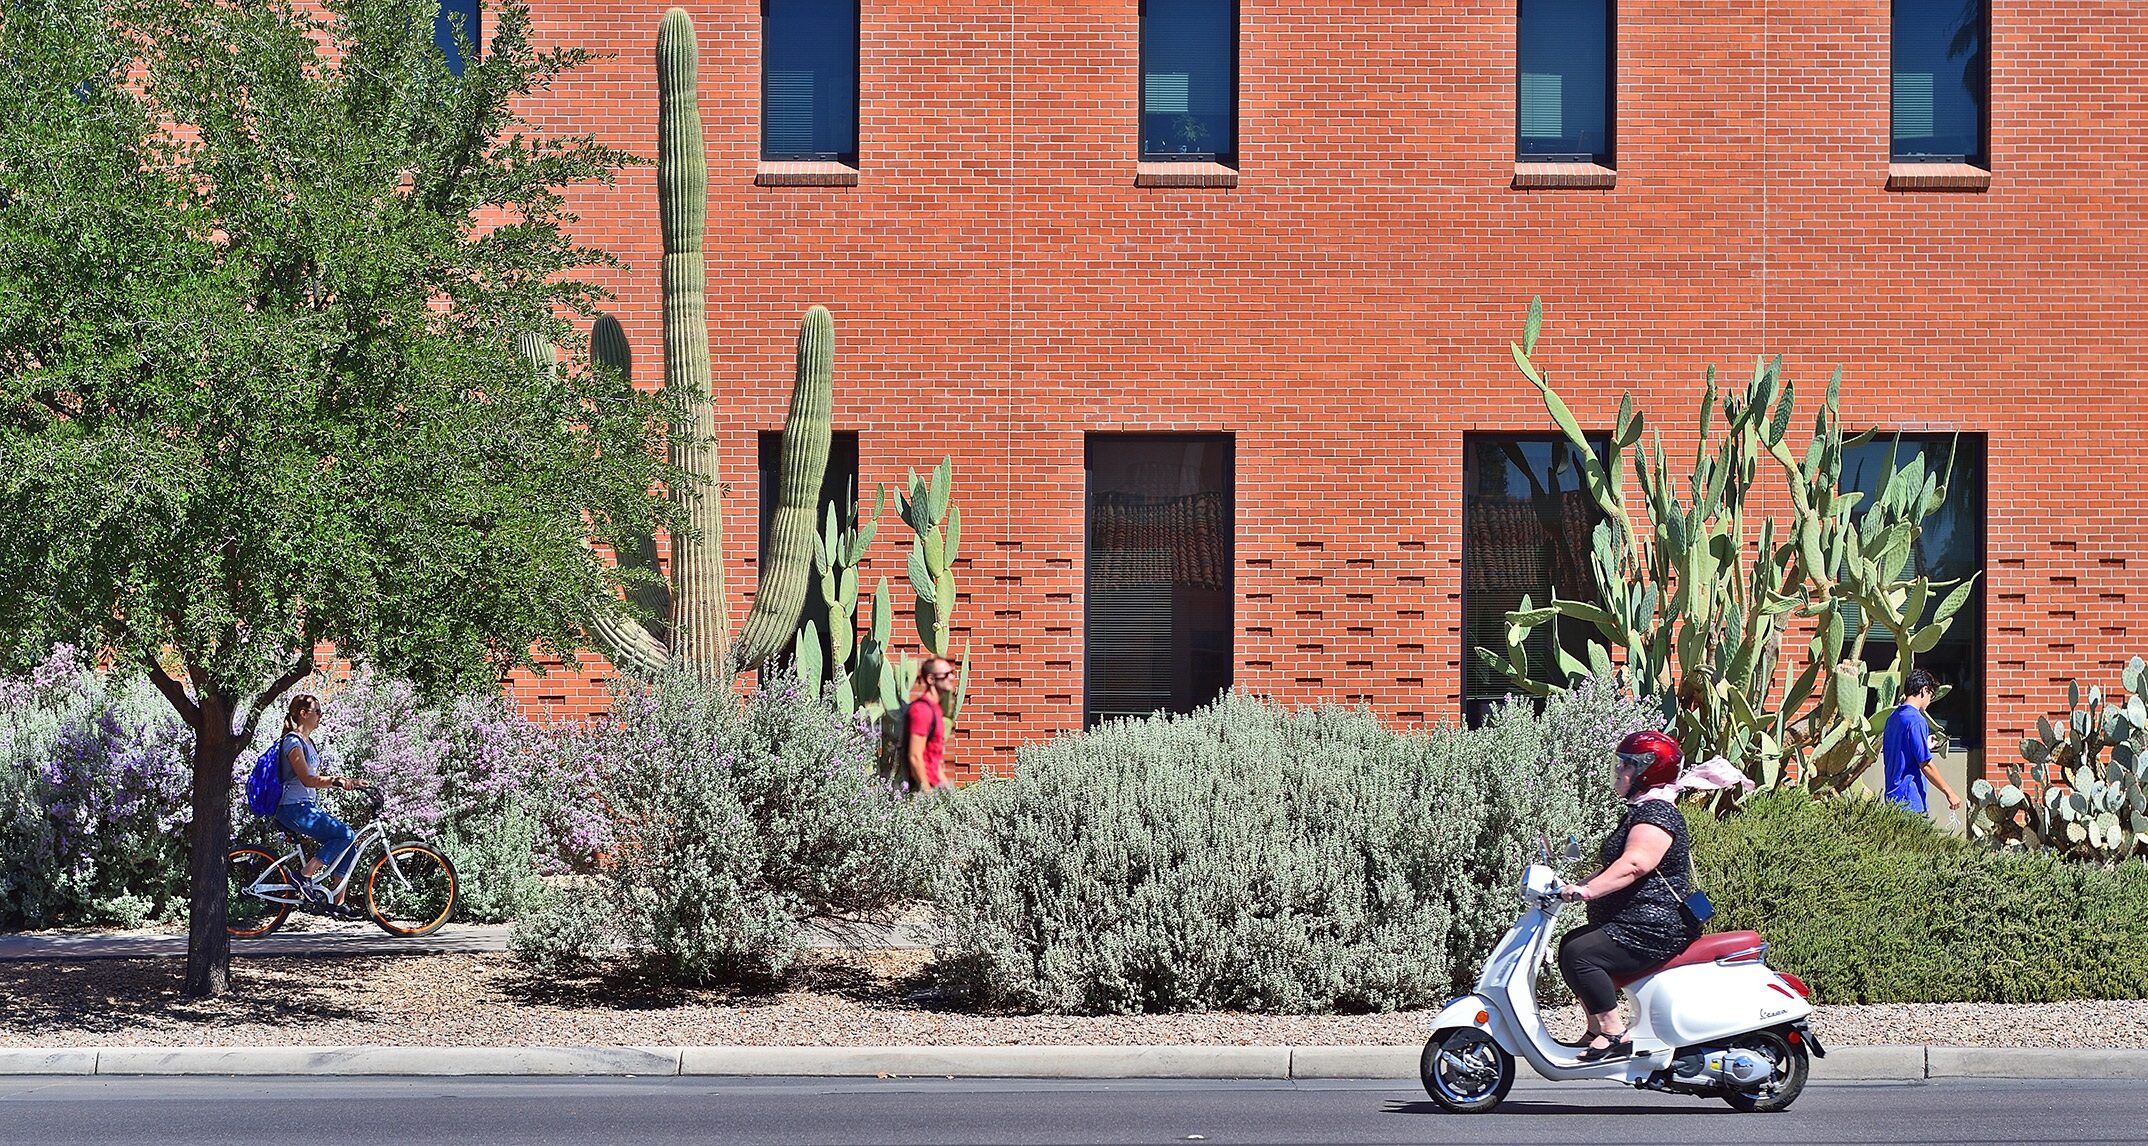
[
  {"x": 1783, "y": 1084},
  {"x": 1465, "y": 1071}
]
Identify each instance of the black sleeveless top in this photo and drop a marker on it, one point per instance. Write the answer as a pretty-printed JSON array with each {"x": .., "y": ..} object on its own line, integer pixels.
[{"x": 1647, "y": 916}]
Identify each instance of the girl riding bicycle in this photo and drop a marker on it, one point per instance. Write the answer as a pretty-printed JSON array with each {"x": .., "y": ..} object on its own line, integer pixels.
[{"x": 300, "y": 812}]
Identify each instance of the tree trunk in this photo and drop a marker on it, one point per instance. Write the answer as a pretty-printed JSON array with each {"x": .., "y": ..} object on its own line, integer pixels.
[{"x": 208, "y": 946}]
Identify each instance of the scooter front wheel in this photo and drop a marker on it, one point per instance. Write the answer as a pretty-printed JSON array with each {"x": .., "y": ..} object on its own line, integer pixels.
[{"x": 1465, "y": 1071}]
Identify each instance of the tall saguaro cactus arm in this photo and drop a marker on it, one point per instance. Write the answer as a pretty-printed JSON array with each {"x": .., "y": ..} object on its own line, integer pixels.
[
  {"x": 629, "y": 643},
  {"x": 788, "y": 560},
  {"x": 700, "y": 622}
]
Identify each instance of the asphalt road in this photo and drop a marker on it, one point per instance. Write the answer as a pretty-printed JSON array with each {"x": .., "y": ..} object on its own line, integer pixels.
[{"x": 585, "y": 1112}]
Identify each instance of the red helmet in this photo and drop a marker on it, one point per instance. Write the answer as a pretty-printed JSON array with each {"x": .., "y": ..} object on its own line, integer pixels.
[{"x": 1657, "y": 755}]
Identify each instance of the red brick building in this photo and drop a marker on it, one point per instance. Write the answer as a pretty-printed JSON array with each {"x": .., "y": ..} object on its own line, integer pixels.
[{"x": 1012, "y": 286}]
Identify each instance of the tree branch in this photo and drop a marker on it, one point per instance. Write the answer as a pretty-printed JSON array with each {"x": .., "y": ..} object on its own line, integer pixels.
[
  {"x": 282, "y": 684},
  {"x": 176, "y": 693}
]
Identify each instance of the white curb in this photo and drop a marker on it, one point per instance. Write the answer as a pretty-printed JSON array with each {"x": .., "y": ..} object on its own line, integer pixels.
[
  {"x": 1870, "y": 1064},
  {"x": 2037, "y": 1062},
  {"x": 1084, "y": 1061},
  {"x": 389, "y": 1060},
  {"x": 1356, "y": 1062},
  {"x": 48, "y": 1060},
  {"x": 1842, "y": 1064}
]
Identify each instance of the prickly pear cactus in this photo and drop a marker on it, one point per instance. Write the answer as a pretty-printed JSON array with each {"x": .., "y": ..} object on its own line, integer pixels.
[
  {"x": 1700, "y": 602},
  {"x": 836, "y": 555},
  {"x": 937, "y": 526},
  {"x": 2074, "y": 799}
]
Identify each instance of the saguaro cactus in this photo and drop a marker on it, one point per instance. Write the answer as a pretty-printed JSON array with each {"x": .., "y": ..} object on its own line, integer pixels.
[
  {"x": 538, "y": 354},
  {"x": 787, "y": 561},
  {"x": 699, "y": 625},
  {"x": 608, "y": 346}
]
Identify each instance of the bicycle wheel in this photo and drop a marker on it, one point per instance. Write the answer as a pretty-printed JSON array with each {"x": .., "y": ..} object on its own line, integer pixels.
[
  {"x": 411, "y": 890},
  {"x": 246, "y": 915}
]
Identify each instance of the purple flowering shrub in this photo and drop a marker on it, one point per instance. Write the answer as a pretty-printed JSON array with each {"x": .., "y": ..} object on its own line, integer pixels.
[
  {"x": 94, "y": 782},
  {"x": 732, "y": 823},
  {"x": 507, "y": 797}
]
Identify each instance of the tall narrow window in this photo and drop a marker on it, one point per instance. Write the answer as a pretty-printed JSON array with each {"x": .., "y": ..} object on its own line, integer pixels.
[
  {"x": 809, "y": 80},
  {"x": 1564, "y": 84},
  {"x": 1157, "y": 614},
  {"x": 1189, "y": 80},
  {"x": 456, "y": 24},
  {"x": 1940, "y": 81},
  {"x": 1951, "y": 548},
  {"x": 838, "y": 487},
  {"x": 1526, "y": 520}
]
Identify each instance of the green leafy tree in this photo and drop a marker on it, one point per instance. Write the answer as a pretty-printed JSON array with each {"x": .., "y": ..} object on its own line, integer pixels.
[{"x": 261, "y": 269}]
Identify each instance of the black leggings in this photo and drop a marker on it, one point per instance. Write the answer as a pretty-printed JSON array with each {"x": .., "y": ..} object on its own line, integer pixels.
[{"x": 1588, "y": 959}]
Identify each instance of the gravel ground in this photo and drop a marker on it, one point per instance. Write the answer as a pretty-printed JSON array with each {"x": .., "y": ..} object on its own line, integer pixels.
[{"x": 856, "y": 998}]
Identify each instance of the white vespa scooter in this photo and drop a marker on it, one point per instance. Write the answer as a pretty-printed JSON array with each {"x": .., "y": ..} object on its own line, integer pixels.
[{"x": 1714, "y": 1021}]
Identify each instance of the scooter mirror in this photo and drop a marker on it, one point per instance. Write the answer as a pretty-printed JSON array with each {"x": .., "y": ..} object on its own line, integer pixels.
[{"x": 1573, "y": 849}]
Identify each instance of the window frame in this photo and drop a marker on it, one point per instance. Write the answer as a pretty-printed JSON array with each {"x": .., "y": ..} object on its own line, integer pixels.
[
  {"x": 1979, "y": 605},
  {"x": 1608, "y": 157},
  {"x": 1982, "y": 159},
  {"x": 1141, "y": 83},
  {"x": 1229, "y": 441},
  {"x": 1598, "y": 441},
  {"x": 857, "y": 52}
]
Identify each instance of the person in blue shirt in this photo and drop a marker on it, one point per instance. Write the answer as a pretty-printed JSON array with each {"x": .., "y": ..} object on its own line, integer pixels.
[{"x": 1906, "y": 747}]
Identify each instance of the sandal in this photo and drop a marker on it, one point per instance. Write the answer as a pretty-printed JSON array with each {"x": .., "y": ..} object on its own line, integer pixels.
[{"x": 1618, "y": 1047}]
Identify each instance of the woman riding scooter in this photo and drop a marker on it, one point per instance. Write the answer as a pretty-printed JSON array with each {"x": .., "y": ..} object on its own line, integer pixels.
[{"x": 1636, "y": 904}]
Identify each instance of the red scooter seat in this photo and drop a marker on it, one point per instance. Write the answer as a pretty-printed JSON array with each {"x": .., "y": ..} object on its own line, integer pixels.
[{"x": 1706, "y": 949}]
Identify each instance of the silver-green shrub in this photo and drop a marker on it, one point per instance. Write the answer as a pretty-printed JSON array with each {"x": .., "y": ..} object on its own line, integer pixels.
[
  {"x": 732, "y": 823},
  {"x": 1252, "y": 857}
]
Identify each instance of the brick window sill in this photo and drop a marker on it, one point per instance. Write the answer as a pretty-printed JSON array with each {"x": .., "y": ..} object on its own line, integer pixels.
[
  {"x": 1184, "y": 175},
  {"x": 1937, "y": 177},
  {"x": 801, "y": 173},
  {"x": 1564, "y": 176}
]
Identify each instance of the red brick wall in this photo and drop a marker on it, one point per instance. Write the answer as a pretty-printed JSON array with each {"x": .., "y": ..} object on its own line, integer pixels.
[{"x": 1000, "y": 286}]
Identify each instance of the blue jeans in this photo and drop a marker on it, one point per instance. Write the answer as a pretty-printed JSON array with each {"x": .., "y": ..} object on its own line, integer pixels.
[{"x": 332, "y": 834}]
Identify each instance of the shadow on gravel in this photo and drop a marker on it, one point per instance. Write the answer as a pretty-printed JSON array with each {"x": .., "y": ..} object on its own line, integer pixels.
[
  {"x": 107, "y": 995},
  {"x": 627, "y": 987}
]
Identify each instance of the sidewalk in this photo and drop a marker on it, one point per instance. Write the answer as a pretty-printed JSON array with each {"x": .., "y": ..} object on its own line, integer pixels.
[
  {"x": 1844, "y": 1064},
  {"x": 323, "y": 938}
]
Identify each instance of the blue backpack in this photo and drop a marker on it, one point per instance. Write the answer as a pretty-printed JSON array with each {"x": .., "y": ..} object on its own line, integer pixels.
[{"x": 264, "y": 785}]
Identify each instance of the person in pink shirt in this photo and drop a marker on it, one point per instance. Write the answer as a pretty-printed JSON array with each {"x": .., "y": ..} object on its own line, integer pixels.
[{"x": 927, "y": 725}]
